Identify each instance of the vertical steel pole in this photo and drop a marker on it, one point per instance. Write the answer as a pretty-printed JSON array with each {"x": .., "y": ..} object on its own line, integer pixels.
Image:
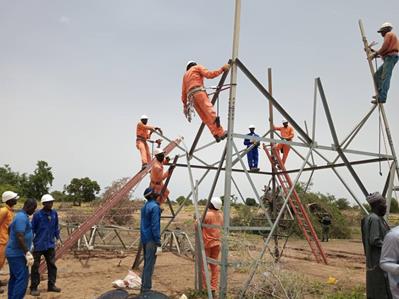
[
  {"x": 230, "y": 128},
  {"x": 388, "y": 196}
]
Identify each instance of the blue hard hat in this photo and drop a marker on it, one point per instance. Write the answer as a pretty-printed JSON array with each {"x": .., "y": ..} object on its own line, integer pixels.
[{"x": 148, "y": 192}]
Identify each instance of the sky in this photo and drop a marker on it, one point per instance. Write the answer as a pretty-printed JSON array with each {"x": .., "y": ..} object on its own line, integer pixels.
[{"x": 77, "y": 75}]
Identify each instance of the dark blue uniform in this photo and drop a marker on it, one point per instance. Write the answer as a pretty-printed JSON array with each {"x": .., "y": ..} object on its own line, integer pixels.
[{"x": 253, "y": 154}]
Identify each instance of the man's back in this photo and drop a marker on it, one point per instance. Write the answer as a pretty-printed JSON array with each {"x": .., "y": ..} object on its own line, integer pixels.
[
  {"x": 212, "y": 235},
  {"x": 150, "y": 222}
]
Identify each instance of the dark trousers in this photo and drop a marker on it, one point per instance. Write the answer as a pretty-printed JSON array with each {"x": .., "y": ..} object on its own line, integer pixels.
[
  {"x": 19, "y": 277},
  {"x": 49, "y": 256},
  {"x": 150, "y": 257}
]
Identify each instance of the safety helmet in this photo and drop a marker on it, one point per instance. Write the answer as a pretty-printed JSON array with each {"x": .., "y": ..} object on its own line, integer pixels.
[
  {"x": 144, "y": 116},
  {"x": 158, "y": 151},
  {"x": 251, "y": 127},
  {"x": 7, "y": 195},
  {"x": 190, "y": 62},
  {"x": 216, "y": 202},
  {"x": 385, "y": 25},
  {"x": 47, "y": 198},
  {"x": 147, "y": 192},
  {"x": 284, "y": 121}
]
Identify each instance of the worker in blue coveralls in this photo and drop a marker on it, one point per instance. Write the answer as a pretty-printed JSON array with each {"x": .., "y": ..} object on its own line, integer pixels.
[
  {"x": 150, "y": 233},
  {"x": 46, "y": 237},
  {"x": 253, "y": 154}
]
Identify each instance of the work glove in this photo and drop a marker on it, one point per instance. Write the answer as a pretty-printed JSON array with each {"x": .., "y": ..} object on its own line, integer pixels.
[
  {"x": 167, "y": 159},
  {"x": 29, "y": 259},
  {"x": 226, "y": 67},
  {"x": 159, "y": 130},
  {"x": 159, "y": 250}
]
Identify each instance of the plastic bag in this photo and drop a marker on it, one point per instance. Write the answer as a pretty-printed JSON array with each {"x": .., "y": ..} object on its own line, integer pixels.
[{"x": 131, "y": 281}]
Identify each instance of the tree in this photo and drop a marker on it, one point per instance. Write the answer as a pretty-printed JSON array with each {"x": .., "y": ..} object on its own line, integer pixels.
[
  {"x": 249, "y": 201},
  {"x": 10, "y": 180},
  {"x": 182, "y": 199},
  {"x": 39, "y": 182},
  {"x": 82, "y": 189},
  {"x": 342, "y": 204},
  {"x": 394, "y": 206},
  {"x": 59, "y": 195}
]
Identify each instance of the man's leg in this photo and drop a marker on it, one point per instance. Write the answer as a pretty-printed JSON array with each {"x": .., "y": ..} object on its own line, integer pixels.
[
  {"x": 286, "y": 150},
  {"x": 148, "y": 152},
  {"x": 35, "y": 275},
  {"x": 140, "y": 145},
  {"x": 214, "y": 254},
  {"x": 278, "y": 148},
  {"x": 150, "y": 258},
  {"x": 19, "y": 277},
  {"x": 386, "y": 75},
  {"x": 255, "y": 156},
  {"x": 49, "y": 255},
  {"x": 2, "y": 260},
  {"x": 208, "y": 254},
  {"x": 249, "y": 157},
  {"x": 377, "y": 78},
  {"x": 206, "y": 112}
]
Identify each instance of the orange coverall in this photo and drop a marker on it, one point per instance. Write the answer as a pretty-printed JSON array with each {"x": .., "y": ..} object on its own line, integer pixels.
[
  {"x": 287, "y": 133},
  {"x": 157, "y": 177},
  {"x": 194, "y": 77},
  {"x": 211, "y": 238},
  {"x": 6, "y": 216},
  {"x": 143, "y": 132}
]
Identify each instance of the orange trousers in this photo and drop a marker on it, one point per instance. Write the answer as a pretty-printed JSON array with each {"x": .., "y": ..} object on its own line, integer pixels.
[
  {"x": 144, "y": 150},
  {"x": 2, "y": 255},
  {"x": 158, "y": 189},
  {"x": 286, "y": 149},
  {"x": 206, "y": 112},
  {"x": 213, "y": 253}
]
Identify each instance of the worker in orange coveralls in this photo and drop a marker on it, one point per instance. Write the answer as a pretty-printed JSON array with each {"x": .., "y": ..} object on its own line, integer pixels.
[
  {"x": 287, "y": 133},
  {"x": 9, "y": 200},
  {"x": 158, "y": 175},
  {"x": 143, "y": 133},
  {"x": 211, "y": 238},
  {"x": 193, "y": 94}
]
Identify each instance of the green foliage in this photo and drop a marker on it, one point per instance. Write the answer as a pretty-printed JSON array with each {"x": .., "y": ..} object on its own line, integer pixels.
[
  {"x": 357, "y": 293},
  {"x": 394, "y": 206},
  {"x": 203, "y": 202},
  {"x": 39, "y": 182},
  {"x": 249, "y": 201},
  {"x": 82, "y": 189},
  {"x": 181, "y": 199},
  {"x": 59, "y": 195},
  {"x": 10, "y": 180},
  {"x": 342, "y": 204}
]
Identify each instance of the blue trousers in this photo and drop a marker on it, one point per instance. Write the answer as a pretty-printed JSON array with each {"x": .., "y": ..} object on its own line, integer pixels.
[
  {"x": 383, "y": 76},
  {"x": 19, "y": 277},
  {"x": 150, "y": 250},
  {"x": 253, "y": 157}
]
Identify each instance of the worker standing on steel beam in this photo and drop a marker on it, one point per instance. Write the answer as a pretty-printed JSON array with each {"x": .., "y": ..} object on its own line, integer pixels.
[
  {"x": 143, "y": 133},
  {"x": 158, "y": 175},
  {"x": 150, "y": 235},
  {"x": 193, "y": 94},
  {"x": 9, "y": 198},
  {"x": 287, "y": 133},
  {"x": 211, "y": 236},
  {"x": 46, "y": 235},
  {"x": 253, "y": 154},
  {"x": 18, "y": 249},
  {"x": 374, "y": 229},
  {"x": 389, "y": 53}
]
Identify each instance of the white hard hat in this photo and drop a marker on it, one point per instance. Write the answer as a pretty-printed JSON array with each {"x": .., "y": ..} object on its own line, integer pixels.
[
  {"x": 47, "y": 198},
  {"x": 190, "y": 62},
  {"x": 284, "y": 121},
  {"x": 7, "y": 195},
  {"x": 251, "y": 127},
  {"x": 144, "y": 116},
  {"x": 385, "y": 25},
  {"x": 158, "y": 151},
  {"x": 216, "y": 202}
]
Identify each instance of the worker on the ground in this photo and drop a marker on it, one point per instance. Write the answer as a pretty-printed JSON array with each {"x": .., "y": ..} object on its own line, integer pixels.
[
  {"x": 193, "y": 94},
  {"x": 143, "y": 133},
  {"x": 9, "y": 200},
  {"x": 150, "y": 235},
  {"x": 389, "y": 260},
  {"x": 253, "y": 154},
  {"x": 18, "y": 249},
  {"x": 46, "y": 235},
  {"x": 211, "y": 238},
  {"x": 389, "y": 53},
  {"x": 158, "y": 175},
  {"x": 287, "y": 133},
  {"x": 374, "y": 228},
  {"x": 325, "y": 225}
]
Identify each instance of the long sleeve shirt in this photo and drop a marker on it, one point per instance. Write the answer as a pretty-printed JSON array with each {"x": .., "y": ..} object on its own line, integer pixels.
[
  {"x": 143, "y": 131},
  {"x": 286, "y": 132},
  {"x": 390, "y": 45},
  {"x": 212, "y": 235},
  {"x": 6, "y": 216},
  {"x": 194, "y": 77},
  {"x": 248, "y": 143},
  {"x": 45, "y": 229},
  {"x": 150, "y": 224},
  {"x": 389, "y": 261}
]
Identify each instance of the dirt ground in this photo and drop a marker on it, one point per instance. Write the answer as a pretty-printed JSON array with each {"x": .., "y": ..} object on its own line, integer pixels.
[{"x": 174, "y": 275}]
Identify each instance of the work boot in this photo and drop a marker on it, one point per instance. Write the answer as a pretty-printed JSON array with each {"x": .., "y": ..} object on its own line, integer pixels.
[
  {"x": 34, "y": 292},
  {"x": 224, "y": 135},
  {"x": 1, "y": 291},
  {"x": 217, "y": 138},
  {"x": 144, "y": 166},
  {"x": 53, "y": 289}
]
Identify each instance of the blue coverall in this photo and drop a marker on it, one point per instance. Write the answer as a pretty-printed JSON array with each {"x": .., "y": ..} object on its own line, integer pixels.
[{"x": 253, "y": 154}]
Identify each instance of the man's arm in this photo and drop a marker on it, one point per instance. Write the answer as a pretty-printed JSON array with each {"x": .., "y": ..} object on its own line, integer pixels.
[
  {"x": 3, "y": 214},
  {"x": 375, "y": 239},
  {"x": 210, "y": 74},
  {"x": 156, "y": 224},
  {"x": 35, "y": 223},
  {"x": 390, "y": 254},
  {"x": 20, "y": 227}
]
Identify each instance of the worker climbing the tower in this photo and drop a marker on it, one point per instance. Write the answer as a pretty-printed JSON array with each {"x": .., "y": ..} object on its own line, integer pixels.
[
  {"x": 194, "y": 95},
  {"x": 287, "y": 133},
  {"x": 158, "y": 175},
  {"x": 211, "y": 236},
  {"x": 252, "y": 154},
  {"x": 389, "y": 54},
  {"x": 143, "y": 133}
]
